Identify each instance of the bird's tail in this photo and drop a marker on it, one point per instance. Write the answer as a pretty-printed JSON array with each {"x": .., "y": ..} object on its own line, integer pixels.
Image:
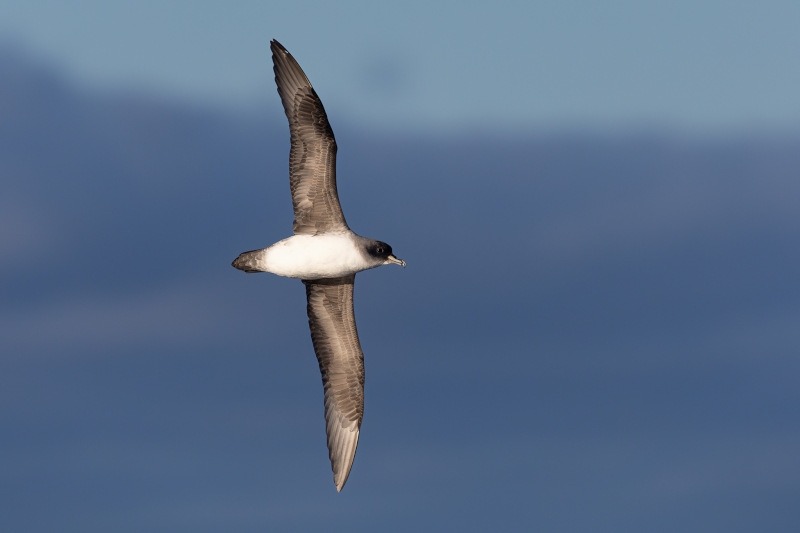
[{"x": 250, "y": 262}]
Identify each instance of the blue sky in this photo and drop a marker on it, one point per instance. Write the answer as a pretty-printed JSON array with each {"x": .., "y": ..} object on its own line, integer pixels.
[
  {"x": 708, "y": 66},
  {"x": 597, "y": 330}
]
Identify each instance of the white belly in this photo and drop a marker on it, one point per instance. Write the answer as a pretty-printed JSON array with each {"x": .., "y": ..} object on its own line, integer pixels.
[{"x": 314, "y": 256}]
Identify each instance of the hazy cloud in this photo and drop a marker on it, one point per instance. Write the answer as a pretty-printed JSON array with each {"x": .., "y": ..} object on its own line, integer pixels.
[{"x": 184, "y": 315}]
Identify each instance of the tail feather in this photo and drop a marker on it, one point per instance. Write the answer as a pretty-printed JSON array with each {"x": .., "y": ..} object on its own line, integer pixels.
[{"x": 250, "y": 262}]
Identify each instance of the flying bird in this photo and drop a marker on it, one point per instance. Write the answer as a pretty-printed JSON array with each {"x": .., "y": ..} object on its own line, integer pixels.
[{"x": 326, "y": 255}]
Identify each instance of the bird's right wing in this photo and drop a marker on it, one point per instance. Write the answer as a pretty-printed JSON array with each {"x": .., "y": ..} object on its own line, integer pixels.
[
  {"x": 312, "y": 158},
  {"x": 341, "y": 361}
]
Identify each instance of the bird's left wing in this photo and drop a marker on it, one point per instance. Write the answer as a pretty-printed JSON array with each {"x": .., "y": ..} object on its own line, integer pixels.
[
  {"x": 312, "y": 157},
  {"x": 341, "y": 361}
]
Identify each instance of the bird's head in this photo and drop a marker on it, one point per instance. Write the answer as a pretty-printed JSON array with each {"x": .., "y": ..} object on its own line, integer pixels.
[{"x": 380, "y": 251}]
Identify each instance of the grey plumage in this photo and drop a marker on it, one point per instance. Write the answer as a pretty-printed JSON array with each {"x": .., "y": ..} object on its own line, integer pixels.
[
  {"x": 248, "y": 262},
  {"x": 312, "y": 178},
  {"x": 325, "y": 254},
  {"x": 312, "y": 159},
  {"x": 341, "y": 362}
]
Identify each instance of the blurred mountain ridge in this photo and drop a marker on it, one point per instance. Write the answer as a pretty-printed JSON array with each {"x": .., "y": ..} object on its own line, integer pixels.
[{"x": 585, "y": 321}]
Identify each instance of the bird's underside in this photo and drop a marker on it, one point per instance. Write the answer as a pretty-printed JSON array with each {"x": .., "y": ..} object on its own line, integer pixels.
[
  {"x": 325, "y": 254},
  {"x": 312, "y": 180}
]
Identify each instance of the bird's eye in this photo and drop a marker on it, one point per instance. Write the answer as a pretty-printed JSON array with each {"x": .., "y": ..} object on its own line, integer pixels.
[{"x": 379, "y": 250}]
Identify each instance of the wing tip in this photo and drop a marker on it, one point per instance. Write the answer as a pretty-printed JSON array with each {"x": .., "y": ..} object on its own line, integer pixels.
[
  {"x": 278, "y": 50},
  {"x": 340, "y": 483},
  {"x": 289, "y": 75},
  {"x": 275, "y": 45},
  {"x": 342, "y": 463}
]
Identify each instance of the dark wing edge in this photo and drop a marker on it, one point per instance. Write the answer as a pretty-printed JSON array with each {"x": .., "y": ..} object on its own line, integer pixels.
[
  {"x": 312, "y": 157},
  {"x": 341, "y": 362}
]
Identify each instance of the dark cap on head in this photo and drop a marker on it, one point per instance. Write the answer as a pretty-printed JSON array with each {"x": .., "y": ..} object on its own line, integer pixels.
[
  {"x": 379, "y": 249},
  {"x": 379, "y": 253}
]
